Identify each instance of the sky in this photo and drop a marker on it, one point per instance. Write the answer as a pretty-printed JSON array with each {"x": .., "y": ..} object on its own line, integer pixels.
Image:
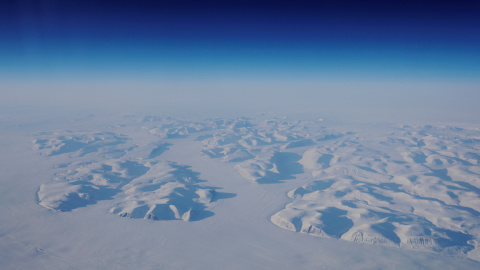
[{"x": 418, "y": 59}]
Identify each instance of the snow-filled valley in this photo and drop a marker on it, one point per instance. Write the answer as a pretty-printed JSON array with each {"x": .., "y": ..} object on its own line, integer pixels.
[{"x": 155, "y": 192}]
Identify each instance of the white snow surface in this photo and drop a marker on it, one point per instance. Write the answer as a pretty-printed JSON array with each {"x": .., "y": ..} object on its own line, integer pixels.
[{"x": 154, "y": 192}]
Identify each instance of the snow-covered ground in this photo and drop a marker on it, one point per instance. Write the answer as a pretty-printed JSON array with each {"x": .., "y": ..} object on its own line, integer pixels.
[{"x": 155, "y": 192}]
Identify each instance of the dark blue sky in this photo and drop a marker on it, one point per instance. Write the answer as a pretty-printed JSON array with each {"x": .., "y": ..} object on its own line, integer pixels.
[
  {"x": 379, "y": 57},
  {"x": 434, "y": 38}
]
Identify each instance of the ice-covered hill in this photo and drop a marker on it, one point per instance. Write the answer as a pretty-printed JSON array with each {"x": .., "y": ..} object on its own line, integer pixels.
[
  {"x": 414, "y": 187},
  {"x": 417, "y": 187},
  {"x": 153, "y": 192}
]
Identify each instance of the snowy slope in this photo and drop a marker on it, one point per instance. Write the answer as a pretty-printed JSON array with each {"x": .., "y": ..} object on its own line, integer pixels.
[{"x": 164, "y": 193}]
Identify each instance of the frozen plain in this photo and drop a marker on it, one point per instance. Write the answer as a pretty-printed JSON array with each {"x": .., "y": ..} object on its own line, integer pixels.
[{"x": 153, "y": 192}]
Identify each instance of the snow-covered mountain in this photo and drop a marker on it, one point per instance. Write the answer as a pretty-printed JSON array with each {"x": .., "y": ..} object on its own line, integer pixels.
[{"x": 410, "y": 188}]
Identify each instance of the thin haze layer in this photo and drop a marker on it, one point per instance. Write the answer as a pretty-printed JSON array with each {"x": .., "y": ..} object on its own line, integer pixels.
[{"x": 395, "y": 60}]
